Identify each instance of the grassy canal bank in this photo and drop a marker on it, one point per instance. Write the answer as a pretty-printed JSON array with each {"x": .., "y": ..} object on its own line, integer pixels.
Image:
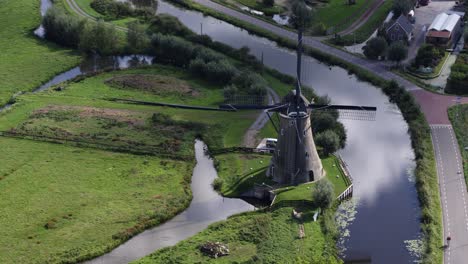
[
  {"x": 23, "y": 54},
  {"x": 459, "y": 117}
]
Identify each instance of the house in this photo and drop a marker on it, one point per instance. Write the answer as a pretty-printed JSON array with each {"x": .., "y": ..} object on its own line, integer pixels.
[
  {"x": 400, "y": 30},
  {"x": 444, "y": 29}
]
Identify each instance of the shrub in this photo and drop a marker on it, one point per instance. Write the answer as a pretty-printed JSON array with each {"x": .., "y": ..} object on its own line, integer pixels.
[
  {"x": 397, "y": 52},
  {"x": 112, "y": 9},
  {"x": 167, "y": 24},
  {"x": 61, "y": 28},
  {"x": 322, "y": 121},
  {"x": 98, "y": 38},
  {"x": 428, "y": 56},
  {"x": 375, "y": 47},
  {"x": 401, "y": 7},
  {"x": 329, "y": 141},
  {"x": 323, "y": 193},
  {"x": 268, "y": 2},
  {"x": 217, "y": 184},
  {"x": 137, "y": 39}
]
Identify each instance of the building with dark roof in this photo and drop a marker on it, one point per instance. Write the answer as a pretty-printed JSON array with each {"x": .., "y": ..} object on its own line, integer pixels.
[{"x": 400, "y": 29}]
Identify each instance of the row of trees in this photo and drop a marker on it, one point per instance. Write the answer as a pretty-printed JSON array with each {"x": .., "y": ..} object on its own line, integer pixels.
[
  {"x": 378, "y": 47},
  {"x": 87, "y": 36},
  {"x": 207, "y": 64}
]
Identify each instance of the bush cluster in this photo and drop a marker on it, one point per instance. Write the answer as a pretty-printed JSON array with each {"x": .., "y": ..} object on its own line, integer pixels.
[
  {"x": 112, "y": 9},
  {"x": 428, "y": 56},
  {"x": 78, "y": 33},
  {"x": 206, "y": 63},
  {"x": 457, "y": 82},
  {"x": 329, "y": 133}
]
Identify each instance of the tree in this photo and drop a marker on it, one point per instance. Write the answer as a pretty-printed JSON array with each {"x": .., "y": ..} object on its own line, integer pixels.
[
  {"x": 397, "y": 52},
  {"x": 401, "y": 7},
  {"x": 466, "y": 39},
  {"x": 137, "y": 39},
  {"x": 98, "y": 38},
  {"x": 323, "y": 193},
  {"x": 61, "y": 28},
  {"x": 428, "y": 55},
  {"x": 328, "y": 141},
  {"x": 375, "y": 47},
  {"x": 301, "y": 16},
  {"x": 269, "y": 2}
]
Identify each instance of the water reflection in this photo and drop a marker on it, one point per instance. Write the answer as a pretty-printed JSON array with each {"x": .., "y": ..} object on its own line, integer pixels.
[
  {"x": 206, "y": 207},
  {"x": 45, "y": 5},
  {"x": 378, "y": 153}
]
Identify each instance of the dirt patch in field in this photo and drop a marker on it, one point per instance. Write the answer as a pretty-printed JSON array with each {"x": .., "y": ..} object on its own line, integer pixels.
[
  {"x": 127, "y": 116},
  {"x": 156, "y": 84}
]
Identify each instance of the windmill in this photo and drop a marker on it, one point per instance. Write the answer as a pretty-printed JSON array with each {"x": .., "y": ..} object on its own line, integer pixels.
[{"x": 295, "y": 159}]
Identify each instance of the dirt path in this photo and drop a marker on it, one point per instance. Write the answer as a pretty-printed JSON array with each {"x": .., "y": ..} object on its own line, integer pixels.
[
  {"x": 363, "y": 19},
  {"x": 250, "y": 137}
]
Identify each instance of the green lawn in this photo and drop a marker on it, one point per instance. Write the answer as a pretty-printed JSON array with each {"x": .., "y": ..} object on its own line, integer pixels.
[
  {"x": 256, "y": 237},
  {"x": 304, "y": 191},
  {"x": 371, "y": 25},
  {"x": 459, "y": 118},
  {"x": 26, "y": 61},
  {"x": 238, "y": 172},
  {"x": 339, "y": 14},
  {"x": 85, "y": 5},
  {"x": 63, "y": 203}
]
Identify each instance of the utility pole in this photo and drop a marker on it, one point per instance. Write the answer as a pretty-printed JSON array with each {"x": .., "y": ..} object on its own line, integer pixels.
[{"x": 201, "y": 28}]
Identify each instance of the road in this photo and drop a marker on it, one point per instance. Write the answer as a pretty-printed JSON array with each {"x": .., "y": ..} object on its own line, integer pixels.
[
  {"x": 434, "y": 106},
  {"x": 453, "y": 192}
]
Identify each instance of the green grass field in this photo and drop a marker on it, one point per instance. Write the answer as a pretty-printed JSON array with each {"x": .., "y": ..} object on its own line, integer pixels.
[
  {"x": 238, "y": 172},
  {"x": 459, "y": 117},
  {"x": 339, "y": 14},
  {"x": 371, "y": 25},
  {"x": 27, "y": 61},
  {"x": 304, "y": 191},
  {"x": 257, "y": 237},
  {"x": 62, "y": 203}
]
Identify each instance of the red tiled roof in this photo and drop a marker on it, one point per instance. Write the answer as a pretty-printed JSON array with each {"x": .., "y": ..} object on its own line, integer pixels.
[{"x": 438, "y": 34}]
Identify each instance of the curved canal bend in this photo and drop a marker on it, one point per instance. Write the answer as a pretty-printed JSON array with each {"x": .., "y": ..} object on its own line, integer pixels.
[
  {"x": 207, "y": 207},
  {"x": 378, "y": 154}
]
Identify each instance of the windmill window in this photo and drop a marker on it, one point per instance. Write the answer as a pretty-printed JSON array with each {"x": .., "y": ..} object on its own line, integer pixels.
[
  {"x": 282, "y": 132},
  {"x": 307, "y": 154}
]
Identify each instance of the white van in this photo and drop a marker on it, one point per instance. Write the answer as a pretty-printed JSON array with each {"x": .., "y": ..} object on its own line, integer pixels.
[{"x": 271, "y": 143}]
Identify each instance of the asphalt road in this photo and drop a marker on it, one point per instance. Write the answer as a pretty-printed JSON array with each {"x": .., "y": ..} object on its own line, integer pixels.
[{"x": 453, "y": 193}]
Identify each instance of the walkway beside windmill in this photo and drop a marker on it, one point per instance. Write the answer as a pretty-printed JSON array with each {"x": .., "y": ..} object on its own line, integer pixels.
[{"x": 250, "y": 137}]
